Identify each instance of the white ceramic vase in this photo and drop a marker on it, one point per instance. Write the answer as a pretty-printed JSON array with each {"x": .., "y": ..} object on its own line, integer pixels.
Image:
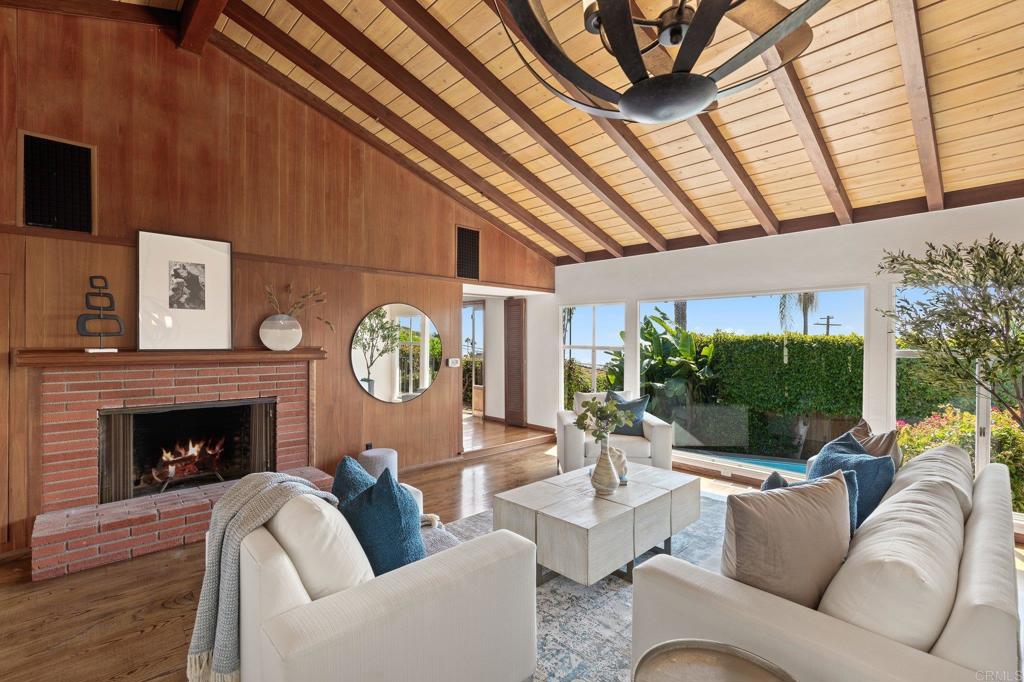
[
  {"x": 605, "y": 478},
  {"x": 280, "y": 332}
]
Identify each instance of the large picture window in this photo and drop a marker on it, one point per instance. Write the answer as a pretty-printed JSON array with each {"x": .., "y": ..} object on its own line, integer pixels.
[
  {"x": 592, "y": 348},
  {"x": 765, "y": 380}
]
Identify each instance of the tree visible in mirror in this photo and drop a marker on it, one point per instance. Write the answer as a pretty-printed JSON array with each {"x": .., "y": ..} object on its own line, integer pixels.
[
  {"x": 969, "y": 323},
  {"x": 375, "y": 337},
  {"x": 292, "y": 307},
  {"x": 600, "y": 418}
]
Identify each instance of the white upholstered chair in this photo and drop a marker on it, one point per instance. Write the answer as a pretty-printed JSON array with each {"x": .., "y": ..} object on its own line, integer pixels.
[
  {"x": 465, "y": 614},
  {"x": 577, "y": 449}
]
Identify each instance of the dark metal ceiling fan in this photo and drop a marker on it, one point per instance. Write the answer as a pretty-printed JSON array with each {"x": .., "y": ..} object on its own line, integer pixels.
[{"x": 678, "y": 93}]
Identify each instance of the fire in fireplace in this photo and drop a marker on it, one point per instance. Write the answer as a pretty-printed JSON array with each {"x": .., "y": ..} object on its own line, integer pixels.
[{"x": 144, "y": 451}]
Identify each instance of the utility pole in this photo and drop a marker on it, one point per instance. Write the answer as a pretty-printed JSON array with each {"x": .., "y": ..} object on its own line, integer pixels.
[{"x": 828, "y": 324}]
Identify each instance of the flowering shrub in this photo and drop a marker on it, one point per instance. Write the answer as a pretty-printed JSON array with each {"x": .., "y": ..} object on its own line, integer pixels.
[{"x": 956, "y": 427}]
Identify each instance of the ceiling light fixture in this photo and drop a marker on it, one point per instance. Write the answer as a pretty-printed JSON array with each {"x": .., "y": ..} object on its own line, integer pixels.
[{"x": 688, "y": 28}]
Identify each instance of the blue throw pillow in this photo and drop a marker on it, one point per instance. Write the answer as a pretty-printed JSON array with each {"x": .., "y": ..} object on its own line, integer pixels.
[
  {"x": 635, "y": 407},
  {"x": 386, "y": 520},
  {"x": 350, "y": 479},
  {"x": 775, "y": 480},
  {"x": 874, "y": 474}
]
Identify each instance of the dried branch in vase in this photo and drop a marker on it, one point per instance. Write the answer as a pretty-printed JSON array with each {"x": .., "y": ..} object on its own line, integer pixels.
[{"x": 292, "y": 307}]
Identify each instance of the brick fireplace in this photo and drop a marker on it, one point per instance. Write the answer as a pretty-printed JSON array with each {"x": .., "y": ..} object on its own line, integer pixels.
[{"x": 158, "y": 501}]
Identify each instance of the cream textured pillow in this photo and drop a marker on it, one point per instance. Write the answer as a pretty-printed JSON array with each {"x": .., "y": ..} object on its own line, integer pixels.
[
  {"x": 788, "y": 541},
  {"x": 900, "y": 577},
  {"x": 317, "y": 538},
  {"x": 879, "y": 444},
  {"x": 946, "y": 463}
]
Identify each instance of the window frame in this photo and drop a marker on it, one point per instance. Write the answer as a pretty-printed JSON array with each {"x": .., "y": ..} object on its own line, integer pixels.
[{"x": 592, "y": 347}]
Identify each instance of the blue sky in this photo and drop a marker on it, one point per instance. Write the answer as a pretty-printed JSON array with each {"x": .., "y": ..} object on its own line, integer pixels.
[{"x": 741, "y": 315}]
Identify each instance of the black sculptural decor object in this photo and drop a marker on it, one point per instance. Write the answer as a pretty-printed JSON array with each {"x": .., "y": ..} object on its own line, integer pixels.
[{"x": 101, "y": 301}]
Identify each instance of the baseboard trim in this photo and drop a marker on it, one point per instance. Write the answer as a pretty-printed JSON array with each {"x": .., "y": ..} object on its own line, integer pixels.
[
  {"x": 496, "y": 420},
  {"x": 537, "y": 427}
]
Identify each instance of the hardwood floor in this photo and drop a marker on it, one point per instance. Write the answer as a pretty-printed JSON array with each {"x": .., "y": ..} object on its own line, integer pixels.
[
  {"x": 483, "y": 437},
  {"x": 131, "y": 622}
]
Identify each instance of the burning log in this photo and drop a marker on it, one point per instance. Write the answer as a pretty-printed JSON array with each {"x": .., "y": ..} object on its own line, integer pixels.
[{"x": 186, "y": 460}]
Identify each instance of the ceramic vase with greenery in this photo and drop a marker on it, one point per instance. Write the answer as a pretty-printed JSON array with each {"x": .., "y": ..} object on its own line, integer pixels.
[
  {"x": 600, "y": 418},
  {"x": 282, "y": 331}
]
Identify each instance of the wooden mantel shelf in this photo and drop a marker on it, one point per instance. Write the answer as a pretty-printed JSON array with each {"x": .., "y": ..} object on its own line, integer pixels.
[{"x": 50, "y": 357}]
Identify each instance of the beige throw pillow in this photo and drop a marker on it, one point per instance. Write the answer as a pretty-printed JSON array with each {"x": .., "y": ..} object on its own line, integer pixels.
[
  {"x": 322, "y": 546},
  {"x": 900, "y": 577},
  {"x": 878, "y": 444},
  {"x": 788, "y": 541}
]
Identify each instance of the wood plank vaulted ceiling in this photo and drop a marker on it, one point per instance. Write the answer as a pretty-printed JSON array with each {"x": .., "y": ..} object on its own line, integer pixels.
[{"x": 896, "y": 107}]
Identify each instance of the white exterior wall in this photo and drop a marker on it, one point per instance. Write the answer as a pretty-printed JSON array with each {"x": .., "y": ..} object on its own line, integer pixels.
[{"x": 831, "y": 258}]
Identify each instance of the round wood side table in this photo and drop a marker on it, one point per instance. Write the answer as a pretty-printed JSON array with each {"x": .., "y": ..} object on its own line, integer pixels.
[{"x": 699, "y": 660}]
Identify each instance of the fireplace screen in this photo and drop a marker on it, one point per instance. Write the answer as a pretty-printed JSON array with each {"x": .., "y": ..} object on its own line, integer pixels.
[{"x": 151, "y": 450}]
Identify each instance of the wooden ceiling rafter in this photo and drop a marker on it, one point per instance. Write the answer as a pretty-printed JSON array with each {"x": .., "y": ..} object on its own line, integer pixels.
[
  {"x": 637, "y": 152},
  {"x": 102, "y": 9},
  {"x": 787, "y": 85},
  {"x": 275, "y": 77},
  {"x": 352, "y": 39},
  {"x": 198, "y": 18},
  {"x": 261, "y": 27},
  {"x": 706, "y": 130},
  {"x": 431, "y": 31},
  {"x": 908, "y": 40}
]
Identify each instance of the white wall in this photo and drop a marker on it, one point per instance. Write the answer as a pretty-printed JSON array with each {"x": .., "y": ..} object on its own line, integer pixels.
[
  {"x": 494, "y": 357},
  {"x": 838, "y": 257}
]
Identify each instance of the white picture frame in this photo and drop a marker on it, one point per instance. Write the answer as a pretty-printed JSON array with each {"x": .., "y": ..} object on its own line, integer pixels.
[{"x": 184, "y": 293}]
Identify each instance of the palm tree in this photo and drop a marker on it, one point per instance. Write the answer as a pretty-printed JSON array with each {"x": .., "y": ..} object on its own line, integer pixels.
[{"x": 807, "y": 302}]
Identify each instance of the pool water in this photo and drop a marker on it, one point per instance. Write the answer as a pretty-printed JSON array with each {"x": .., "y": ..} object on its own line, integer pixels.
[{"x": 792, "y": 466}]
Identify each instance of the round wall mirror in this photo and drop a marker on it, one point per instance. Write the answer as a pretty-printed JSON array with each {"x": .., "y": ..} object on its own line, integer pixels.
[{"x": 396, "y": 353}]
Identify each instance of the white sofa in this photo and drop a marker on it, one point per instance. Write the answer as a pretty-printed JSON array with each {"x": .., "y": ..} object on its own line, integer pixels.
[
  {"x": 462, "y": 615},
  {"x": 577, "y": 449},
  {"x": 673, "y": 599}
]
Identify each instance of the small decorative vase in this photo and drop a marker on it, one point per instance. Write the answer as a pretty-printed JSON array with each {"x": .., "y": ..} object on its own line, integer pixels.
[
  {"x": 369, "y": 385},
  {"x": 618, "y": 458},
  {"x": 280, "y": 332},
  {"x": 604, "y": 479}
]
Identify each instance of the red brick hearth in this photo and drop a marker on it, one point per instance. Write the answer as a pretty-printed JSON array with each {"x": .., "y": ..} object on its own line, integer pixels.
[
  {"x": 75, "y": 531},
  {"x": 75, "y": 539}
]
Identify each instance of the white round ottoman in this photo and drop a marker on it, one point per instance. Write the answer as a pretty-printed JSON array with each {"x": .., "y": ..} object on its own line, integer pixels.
[{"x": 376, "y": 460}]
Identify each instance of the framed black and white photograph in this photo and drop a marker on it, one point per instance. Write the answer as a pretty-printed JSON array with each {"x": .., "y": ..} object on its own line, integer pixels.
[{"x": 184, "y": 293}]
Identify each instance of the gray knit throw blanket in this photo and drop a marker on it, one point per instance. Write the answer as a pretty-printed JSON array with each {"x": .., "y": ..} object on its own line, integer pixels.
[{"x": 213, "y": 655}]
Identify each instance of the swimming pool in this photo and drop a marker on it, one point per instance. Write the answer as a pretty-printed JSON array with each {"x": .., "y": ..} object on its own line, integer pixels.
[{"x": 792, "y": 466}]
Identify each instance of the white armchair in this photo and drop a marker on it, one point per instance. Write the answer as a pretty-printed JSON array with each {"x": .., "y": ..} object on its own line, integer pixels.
[
  {"x": 577, "y": 449},
  {"x": 397, "y": 626}
]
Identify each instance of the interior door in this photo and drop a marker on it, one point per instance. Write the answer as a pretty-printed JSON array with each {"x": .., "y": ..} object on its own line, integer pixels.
[{"x": 515, "y": 361}]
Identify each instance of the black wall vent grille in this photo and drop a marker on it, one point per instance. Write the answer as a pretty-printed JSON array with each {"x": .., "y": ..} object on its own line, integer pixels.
[
  {"x": 468, "y": 253},
  {"x": 58, "y": 184}
]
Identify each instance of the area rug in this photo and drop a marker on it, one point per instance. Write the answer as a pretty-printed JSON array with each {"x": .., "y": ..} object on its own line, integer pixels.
[{"x": 583, "y": 633}]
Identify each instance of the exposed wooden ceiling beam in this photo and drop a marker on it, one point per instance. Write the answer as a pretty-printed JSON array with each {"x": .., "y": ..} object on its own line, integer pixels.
[
  {"x": 455, "y": 53},
  {"x": 380, "y": 61},
  {"x": 637, "y": 152},
  {"x": 198, "y": 18},
  {"x": 908, "y": 40},
  {"x": 711, "y": 137},
  {"x": 275, "y": 77},
  {"x": 101, "y": 9},
  {"x": 787, "y": 84},
  {"x": 288, "y": 47}
]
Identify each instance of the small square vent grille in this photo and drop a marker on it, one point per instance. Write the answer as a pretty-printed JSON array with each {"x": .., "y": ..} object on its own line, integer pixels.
[
  {"x": 58, "y": 184},
  {"x": 468, "y": 253}
]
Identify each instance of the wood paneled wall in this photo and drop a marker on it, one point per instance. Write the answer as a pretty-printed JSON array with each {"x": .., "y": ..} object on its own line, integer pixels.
[{"x": 204, "y": 147}]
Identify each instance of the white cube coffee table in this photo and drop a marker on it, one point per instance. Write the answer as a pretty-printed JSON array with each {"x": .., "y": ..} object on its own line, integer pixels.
[{"x": 586, "y": 537}]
